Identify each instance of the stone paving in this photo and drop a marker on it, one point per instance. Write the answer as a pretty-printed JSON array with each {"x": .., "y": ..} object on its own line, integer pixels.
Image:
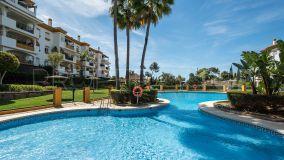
[
  {"x": 208, "y": 107},
  {"x": 82, "y": 106}
]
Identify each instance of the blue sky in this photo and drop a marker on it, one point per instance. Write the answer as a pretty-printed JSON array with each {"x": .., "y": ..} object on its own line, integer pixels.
[{"x": 198, "y": 33}]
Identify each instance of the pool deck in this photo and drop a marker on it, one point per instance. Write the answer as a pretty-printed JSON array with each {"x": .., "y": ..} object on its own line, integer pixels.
[
  {"x": 77, "y": 106},
  {"x": 208, "y": 107}
]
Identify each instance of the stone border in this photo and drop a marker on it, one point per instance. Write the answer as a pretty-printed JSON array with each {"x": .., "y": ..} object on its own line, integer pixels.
[
  {"x": 80, "y": 106},
  {"x": 184, "y": 91},
  {"x": 208, "y": 107}
]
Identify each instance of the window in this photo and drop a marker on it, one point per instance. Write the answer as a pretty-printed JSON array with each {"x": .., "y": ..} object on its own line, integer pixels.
[
  {"x": 46, "y": 50},
  {"x": 47, "y": 36},
  {"x": 62, "y": 39},
  {"x": 38, "y": 32},
  {"x": 37, "y": 61},
  {"x": 46, "y": 62}
]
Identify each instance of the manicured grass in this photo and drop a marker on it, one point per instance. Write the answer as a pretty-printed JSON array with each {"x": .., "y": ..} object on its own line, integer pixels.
[{"x": 48, "y": 99}]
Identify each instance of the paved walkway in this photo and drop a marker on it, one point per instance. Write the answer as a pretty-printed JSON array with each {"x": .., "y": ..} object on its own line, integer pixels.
[
  {"x": 82, "y": 106},
  {"x": 208, "y": 107}
]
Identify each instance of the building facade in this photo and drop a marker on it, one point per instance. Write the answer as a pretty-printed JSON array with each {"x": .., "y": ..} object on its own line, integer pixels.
[
  {"x": 273, "y": 50},
  {"x": 31, "y": 40}
]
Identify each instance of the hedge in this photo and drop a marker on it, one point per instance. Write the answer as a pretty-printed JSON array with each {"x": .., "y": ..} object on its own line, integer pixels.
[
  {"x": 125, "y": 96},
  {"x": 22, "y": 88},
  {"x": 257, "y": 103}
]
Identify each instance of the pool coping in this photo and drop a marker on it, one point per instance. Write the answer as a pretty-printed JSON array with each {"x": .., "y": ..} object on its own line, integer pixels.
[
  {"x": 184, "y": 91},
  {"x": 208, "y": 107},
  {"x": 80, "y": 106}
]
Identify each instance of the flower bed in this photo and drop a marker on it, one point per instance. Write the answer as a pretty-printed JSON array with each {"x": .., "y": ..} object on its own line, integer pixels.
[
  {"x": 126, "y": 96},
  {"x": 257, "y": 103}
]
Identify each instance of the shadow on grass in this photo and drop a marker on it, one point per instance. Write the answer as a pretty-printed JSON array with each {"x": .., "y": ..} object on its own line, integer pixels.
[
  {"x": 63, "y": 100},
  {"x": 7, "y": 102}
]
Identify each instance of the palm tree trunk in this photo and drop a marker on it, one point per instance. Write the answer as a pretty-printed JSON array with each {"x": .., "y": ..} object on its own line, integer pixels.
[
  {"x": 127, "y": 55},
  {"x": 144, "y": 52},
  {"x": 2, "y": 77},
  {"x": 117, "y": 83}
]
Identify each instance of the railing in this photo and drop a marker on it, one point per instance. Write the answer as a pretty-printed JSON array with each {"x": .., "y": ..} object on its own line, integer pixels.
[
  {"x": 24, "y": 46},
  {"x": 70, "y": 58},
  {"x": 69, "y": 46},
  {"x": 25, "y": 27}
]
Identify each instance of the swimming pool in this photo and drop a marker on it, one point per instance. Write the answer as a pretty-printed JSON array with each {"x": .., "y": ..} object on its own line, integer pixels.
[{"x": 179, "y": 131}]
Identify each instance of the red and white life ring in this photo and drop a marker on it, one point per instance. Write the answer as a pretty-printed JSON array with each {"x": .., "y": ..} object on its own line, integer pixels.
[
  {"x": 137, "y": 91},
  {"x": 194, "y": 86}
]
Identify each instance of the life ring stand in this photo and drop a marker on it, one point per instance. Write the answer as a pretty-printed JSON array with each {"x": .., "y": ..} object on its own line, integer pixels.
[{"x": 137, "y": 91}]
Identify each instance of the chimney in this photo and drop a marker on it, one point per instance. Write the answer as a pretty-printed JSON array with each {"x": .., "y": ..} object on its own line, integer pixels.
[
  {"x": 79, "y": 38},
  {"x": 49, "y": 22},
  {"x": 98, "y": 48},
  {"x": 274, "y": 42}
]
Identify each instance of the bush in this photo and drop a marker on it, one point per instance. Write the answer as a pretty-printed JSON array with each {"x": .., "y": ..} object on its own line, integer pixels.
[
  {"x": 23, "y": 88},
  {"x": 126, "y": 96},
  {"x": 257, "y": 103}
]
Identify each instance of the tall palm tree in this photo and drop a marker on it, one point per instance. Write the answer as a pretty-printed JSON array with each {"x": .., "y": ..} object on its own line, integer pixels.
[
  {"x": 115, "y": 11},
  {"x": 126, "y": 19},
  {"x": 152, "y": 12}
]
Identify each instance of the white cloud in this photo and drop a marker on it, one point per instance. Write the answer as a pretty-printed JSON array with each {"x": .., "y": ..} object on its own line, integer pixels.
[
  {"x": 138, "y": 33},
  {"x": 268, "y": 16},
  {"x": 216, "y": 29},
  {"x": 86, "y": 8}
]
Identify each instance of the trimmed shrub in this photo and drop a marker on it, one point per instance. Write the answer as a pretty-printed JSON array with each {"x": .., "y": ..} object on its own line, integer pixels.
[
  {"x": 126, "y": 96},
  {"x": 23, "y": 88},
  {"x": 257, "y": 103},
  {"x": 120, "y": 96}
]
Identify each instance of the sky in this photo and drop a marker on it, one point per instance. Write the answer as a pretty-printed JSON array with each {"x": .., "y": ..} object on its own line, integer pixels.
[{"x": 197, "y": 34}]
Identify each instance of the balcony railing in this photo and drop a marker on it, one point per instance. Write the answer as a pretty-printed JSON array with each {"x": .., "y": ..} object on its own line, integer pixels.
[
  {"x": 24, "y": 46},
  {"x": 69, "y": 46},
  {"x": 25, "y": 27},
  {"x": 69, "y": 58}
]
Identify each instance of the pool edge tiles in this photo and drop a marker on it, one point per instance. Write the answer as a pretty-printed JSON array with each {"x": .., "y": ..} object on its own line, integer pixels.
[
  {"x": 25, "y": 118},
  {"x": 276, "y": 127}
]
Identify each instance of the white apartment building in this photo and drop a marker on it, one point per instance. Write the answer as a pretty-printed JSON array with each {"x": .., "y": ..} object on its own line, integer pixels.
[
  {"x": 274, "y": 51},
  {"x": 31, "y": 41},
  {"x": 18, "y": 21}
]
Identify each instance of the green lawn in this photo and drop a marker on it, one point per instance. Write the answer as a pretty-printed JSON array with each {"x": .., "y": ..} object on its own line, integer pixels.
[{"x": 48, "y": 99}]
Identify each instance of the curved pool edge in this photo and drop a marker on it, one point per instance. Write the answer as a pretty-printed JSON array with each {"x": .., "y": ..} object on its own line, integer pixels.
[
  {"x": 275, "y": 127},
  {"x": 79, "y": 110}
]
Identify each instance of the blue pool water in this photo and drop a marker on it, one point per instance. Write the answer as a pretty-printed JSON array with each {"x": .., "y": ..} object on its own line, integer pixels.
[{"x": 178, "y": 132}]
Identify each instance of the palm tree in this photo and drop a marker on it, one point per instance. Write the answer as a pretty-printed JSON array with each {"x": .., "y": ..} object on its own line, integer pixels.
[
  {"x": 152, "y": 11},
  {"x": 249, "y": 68},
  {"x": 84, "y": 56},
  {"x": 126, "y": 19},
  {"x": 154, "y": 67},
  {"x": 115, "y": 11},
  {"x": 55, "y": 59}
]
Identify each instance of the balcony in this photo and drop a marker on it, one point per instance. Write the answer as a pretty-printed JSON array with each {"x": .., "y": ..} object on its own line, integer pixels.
[
  {"x": 28, "y": 6},
  {"x": 70, "y": 46},
  {"x": 8, "y": 22},
  {"x": 25, "y": 46},
  {"x": 68, "y": 57},
  {"x": 8, "y": 42},
  {"x": 25, "y": 27}
]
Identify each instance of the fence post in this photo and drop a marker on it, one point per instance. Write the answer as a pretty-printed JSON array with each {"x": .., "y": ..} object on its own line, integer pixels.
[
  {"x": 57, "y": 97},
  {"x": 224, "y": 88},
  {"x": 148, "y": 87},
  {"x": 161, "y": 87},
  {"x": 187, "y": 87},
  {"x": 244, "y": 88},
  {"x": 86, "y": 94},
  {"x": 204, "y": 87}
]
